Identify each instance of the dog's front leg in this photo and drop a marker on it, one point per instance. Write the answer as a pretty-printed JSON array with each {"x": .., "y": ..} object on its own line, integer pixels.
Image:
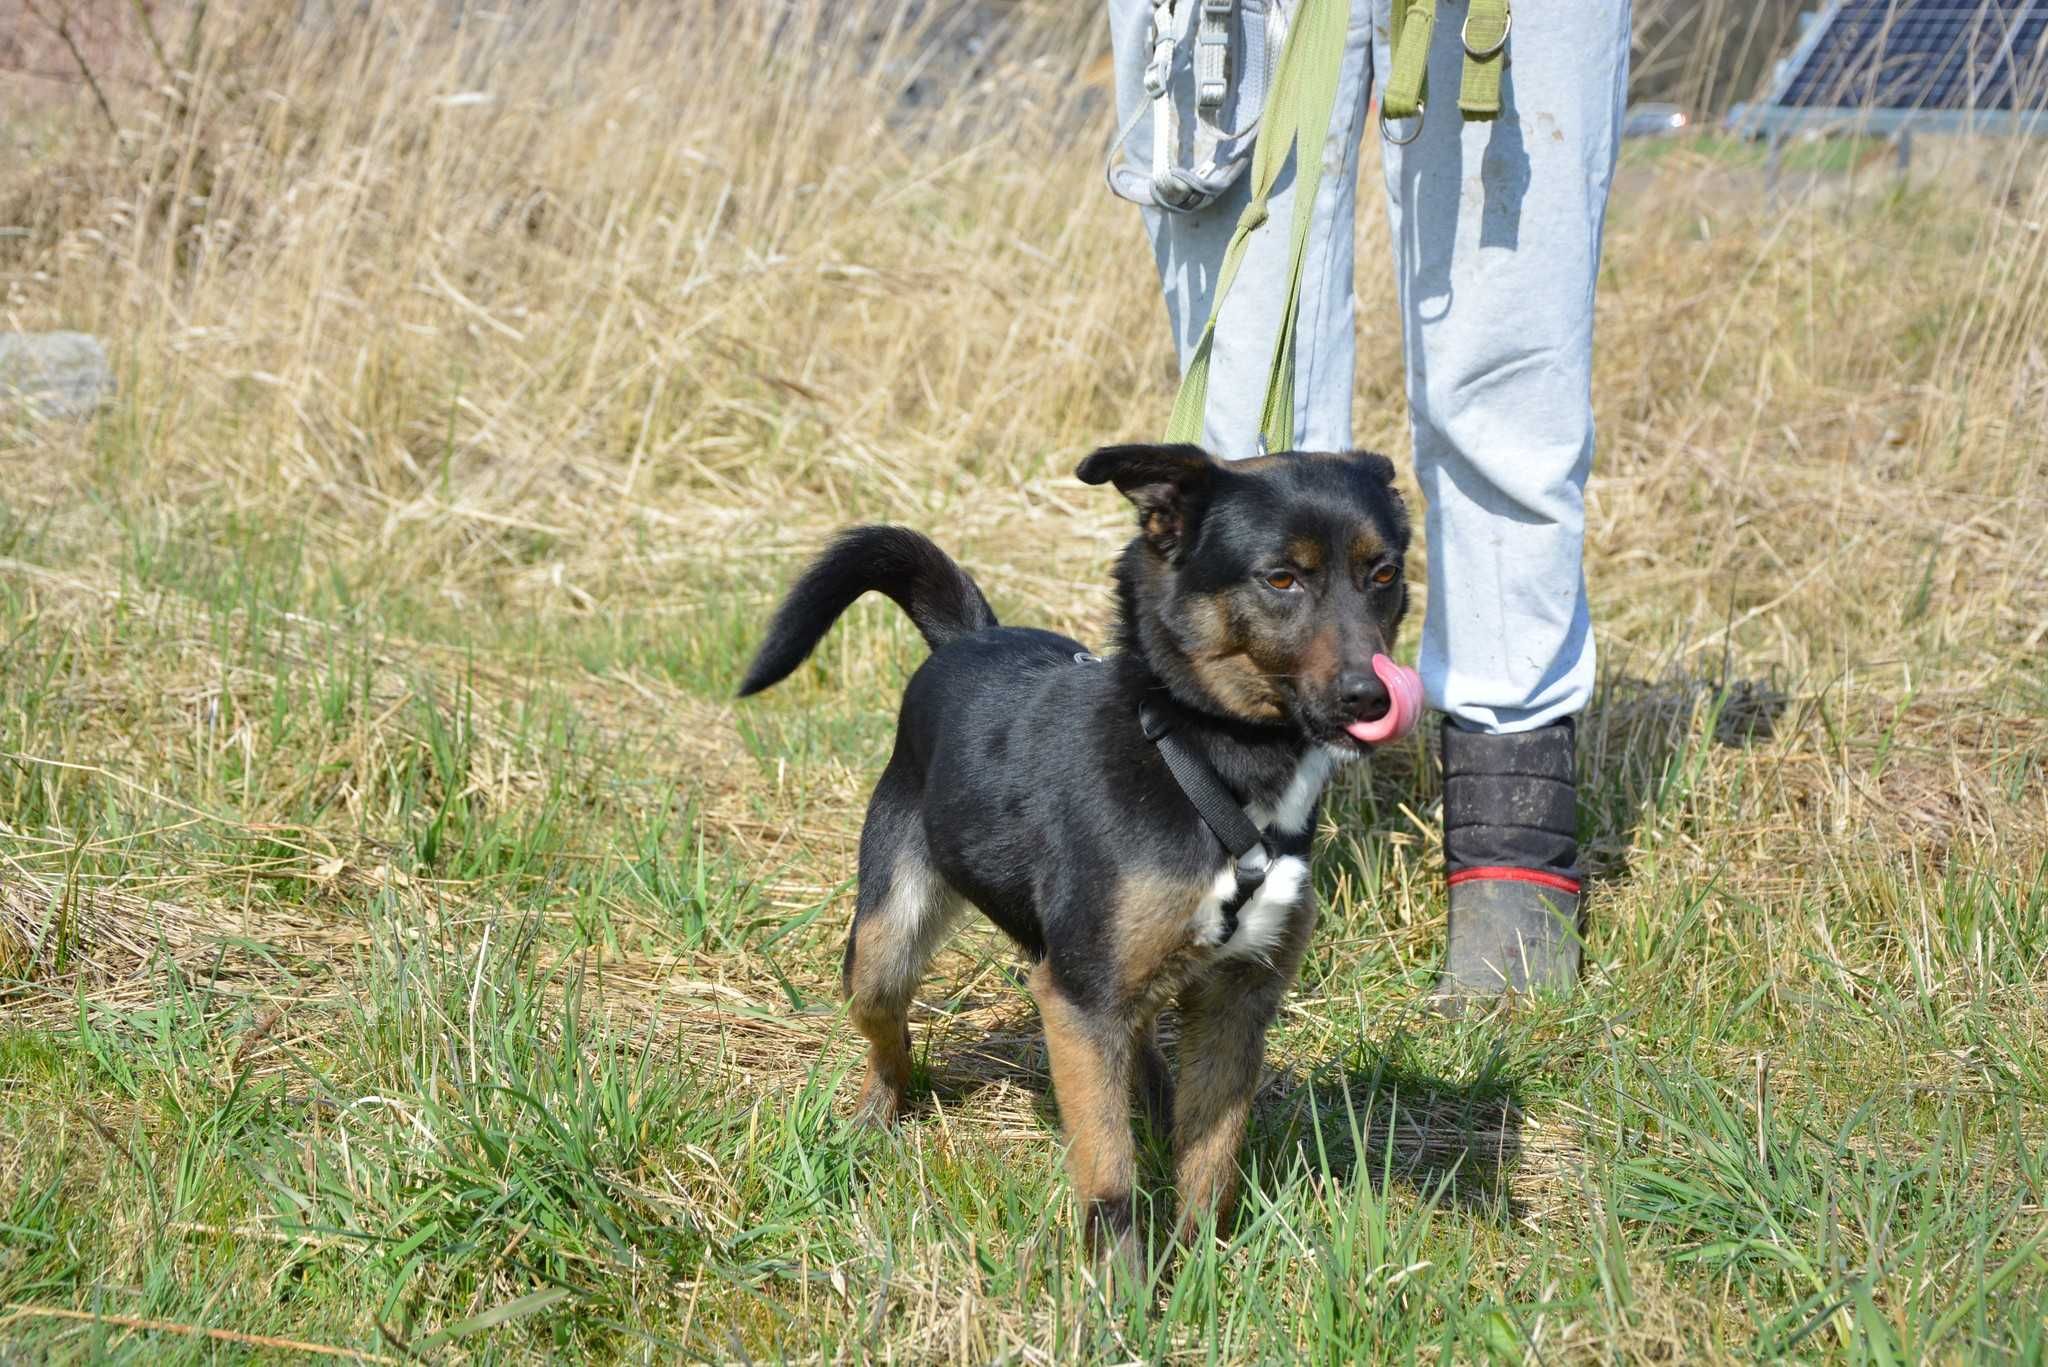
[
  {"x": 1093, "y": 1055},
  {"x": 1224, "y": 1019}
]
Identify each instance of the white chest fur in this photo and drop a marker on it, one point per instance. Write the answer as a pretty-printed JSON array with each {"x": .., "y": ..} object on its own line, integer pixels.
[
  {"x": 1263, "y": 920},
  {"x": 1290, "y": 815}
]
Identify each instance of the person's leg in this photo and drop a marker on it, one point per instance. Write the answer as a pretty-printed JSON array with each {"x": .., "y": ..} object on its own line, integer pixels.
[
  {"x": 1189, "y": 251},
  {"x": 1496, "y": 234}
]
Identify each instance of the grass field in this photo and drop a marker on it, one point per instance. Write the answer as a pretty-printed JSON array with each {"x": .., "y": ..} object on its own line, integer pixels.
[{"x": 408, "y": 949}]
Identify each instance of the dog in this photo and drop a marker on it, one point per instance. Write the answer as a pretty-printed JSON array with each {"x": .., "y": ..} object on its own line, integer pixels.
[{"x": 1043, "y": 786}]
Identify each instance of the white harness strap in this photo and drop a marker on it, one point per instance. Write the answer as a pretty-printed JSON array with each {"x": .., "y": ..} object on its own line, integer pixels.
[
  {"x": 1159, "y": 85},
  {"x": 1212, "y": 57},
  {"x": 1222, "y": 78}
]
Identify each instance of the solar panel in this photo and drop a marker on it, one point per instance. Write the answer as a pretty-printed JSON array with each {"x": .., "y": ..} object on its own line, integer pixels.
[{"x": 1932, "y": 63}]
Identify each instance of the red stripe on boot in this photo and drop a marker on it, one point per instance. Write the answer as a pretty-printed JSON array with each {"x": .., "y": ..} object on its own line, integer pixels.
[{"x": 1514, "y": 875}]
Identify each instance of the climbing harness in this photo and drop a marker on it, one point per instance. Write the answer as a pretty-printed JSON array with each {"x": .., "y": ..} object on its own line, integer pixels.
[{"x": 1229, "y": 47}]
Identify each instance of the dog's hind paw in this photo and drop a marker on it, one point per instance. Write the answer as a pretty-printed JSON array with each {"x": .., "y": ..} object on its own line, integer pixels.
[{"x": 878, "y": 1107}]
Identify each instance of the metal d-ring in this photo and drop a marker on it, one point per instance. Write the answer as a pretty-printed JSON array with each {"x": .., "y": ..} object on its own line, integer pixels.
[
  {"x": 1507, "y": 22},
  {"x": 1390, "y": 139}
]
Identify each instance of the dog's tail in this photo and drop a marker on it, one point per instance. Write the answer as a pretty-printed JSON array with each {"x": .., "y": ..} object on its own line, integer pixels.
[{"x": 924, "y": 581}]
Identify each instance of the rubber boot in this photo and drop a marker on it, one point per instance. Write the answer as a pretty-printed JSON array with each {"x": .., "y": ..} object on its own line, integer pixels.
[{"x": 1511, "y": 855}]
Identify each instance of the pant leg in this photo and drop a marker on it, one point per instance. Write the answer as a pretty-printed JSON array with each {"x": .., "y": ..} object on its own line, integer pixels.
[
  {"x": 1496, "y": 234},
  {"x": 1188, "y": 249}
]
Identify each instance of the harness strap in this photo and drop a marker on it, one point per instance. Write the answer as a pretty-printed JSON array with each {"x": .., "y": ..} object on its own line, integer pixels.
[
  {"x": 1158, "y": 83},
  {"x": 1218, "y": 809},
  {"x": 1484, "y": 38},
  {"x": 1414, "y": 23},
  {"x": 1212, "y": 56}
]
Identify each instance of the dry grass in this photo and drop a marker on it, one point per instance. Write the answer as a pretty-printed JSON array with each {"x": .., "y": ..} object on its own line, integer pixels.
[{"x": 368, "y": 758}]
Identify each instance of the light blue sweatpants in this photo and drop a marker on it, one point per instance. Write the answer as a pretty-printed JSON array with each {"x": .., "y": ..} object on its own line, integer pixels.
[{"x": 1496, "y": 234}]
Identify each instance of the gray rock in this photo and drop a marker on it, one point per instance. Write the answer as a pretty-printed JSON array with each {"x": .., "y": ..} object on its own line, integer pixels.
[{"x": 54, "y": 374}]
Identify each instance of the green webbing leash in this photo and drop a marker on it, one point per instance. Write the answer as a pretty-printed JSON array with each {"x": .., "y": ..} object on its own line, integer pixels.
[{"x": 1297, "y": 121}]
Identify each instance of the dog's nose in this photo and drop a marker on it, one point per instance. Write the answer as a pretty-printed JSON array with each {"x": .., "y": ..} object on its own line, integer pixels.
[{"x": 1362, "y": 696}]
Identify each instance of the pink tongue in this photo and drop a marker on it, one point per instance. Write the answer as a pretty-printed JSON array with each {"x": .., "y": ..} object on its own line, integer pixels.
[{"x": 1404, "y": 704}]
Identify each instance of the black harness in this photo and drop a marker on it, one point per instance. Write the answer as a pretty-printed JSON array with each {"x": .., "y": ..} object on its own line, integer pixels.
[{"x": 1220, "y": 812}]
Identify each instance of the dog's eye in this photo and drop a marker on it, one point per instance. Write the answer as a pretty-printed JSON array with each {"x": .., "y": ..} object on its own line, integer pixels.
[
  {"x": 1282, "y": 580},
  {"x": 1384, "y": 574}
]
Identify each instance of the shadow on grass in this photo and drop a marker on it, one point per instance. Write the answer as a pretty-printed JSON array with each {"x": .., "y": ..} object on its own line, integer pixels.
[
  {"x": 958, "y": 1062},
  {"x": 1642, "y": 743},
  {"x": 1455, "y": 1143}
]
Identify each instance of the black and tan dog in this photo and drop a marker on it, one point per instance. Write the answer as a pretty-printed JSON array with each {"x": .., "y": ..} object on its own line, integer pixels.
[{"x": 1252, "y": 603}]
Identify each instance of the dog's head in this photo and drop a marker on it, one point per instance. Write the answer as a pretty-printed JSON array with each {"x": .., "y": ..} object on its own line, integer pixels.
[{"x": 1263, "y": 588}]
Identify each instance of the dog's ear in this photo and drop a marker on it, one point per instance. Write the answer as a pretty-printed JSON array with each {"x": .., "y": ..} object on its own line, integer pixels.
[
  {"x": 1381, "y": 471},
  {"x": 1168, "y": 485},
  {"x": 1375, "y": 464}
]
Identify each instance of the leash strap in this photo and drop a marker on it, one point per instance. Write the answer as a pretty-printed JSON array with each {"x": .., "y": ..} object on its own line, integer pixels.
[
  {"x": 1218, "y": 809},
  {"x": 1297, "y": 122}
]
